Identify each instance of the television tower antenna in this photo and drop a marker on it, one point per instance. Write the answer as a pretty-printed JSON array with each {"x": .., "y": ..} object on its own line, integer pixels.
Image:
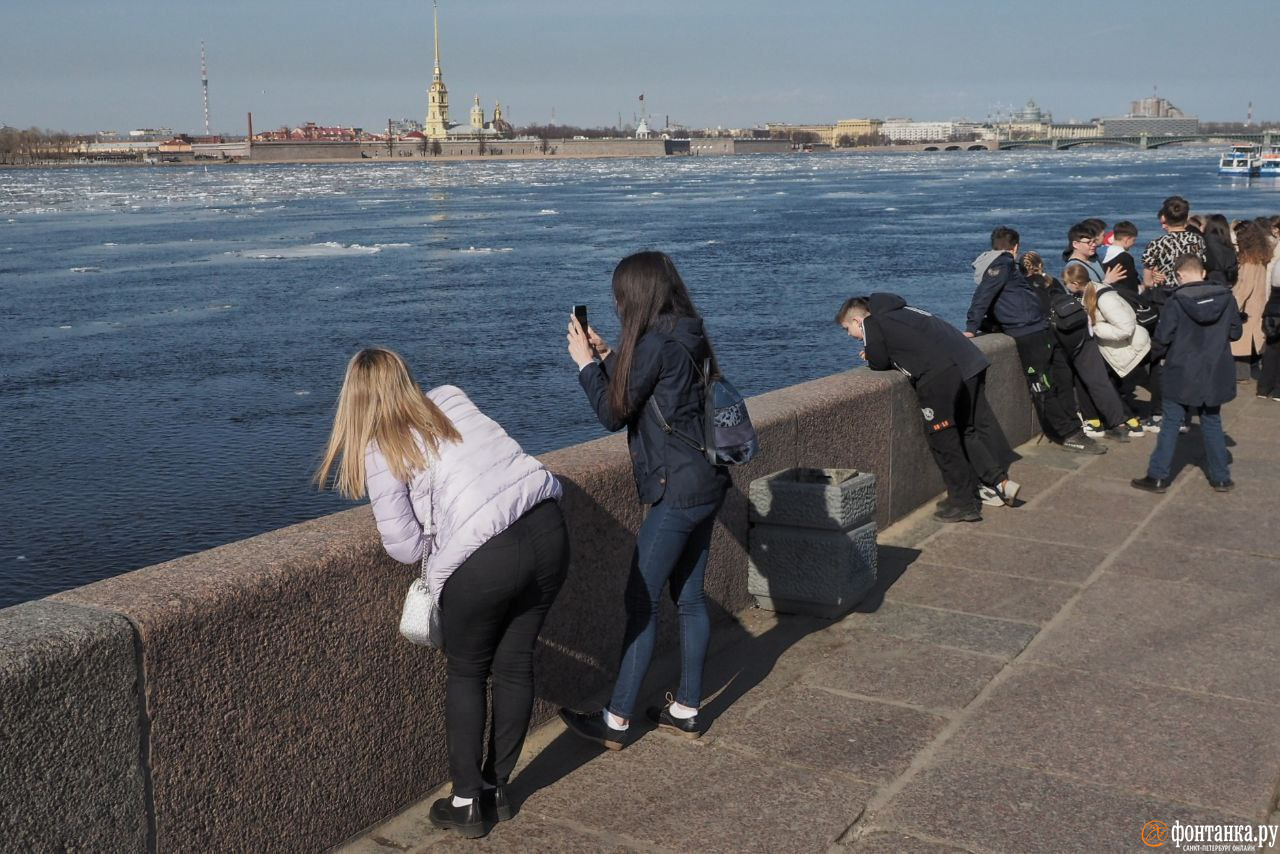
[
  {"x": 204, "y": 85},
  {"x": 1248, "y": 122}
]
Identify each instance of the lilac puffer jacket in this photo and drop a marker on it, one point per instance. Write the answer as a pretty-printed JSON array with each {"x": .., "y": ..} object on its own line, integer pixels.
[{"x": 482, "y": 485}]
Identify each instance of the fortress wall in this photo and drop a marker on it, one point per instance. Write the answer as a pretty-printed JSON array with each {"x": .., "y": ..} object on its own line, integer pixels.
[{"x": 283, "y": 710}]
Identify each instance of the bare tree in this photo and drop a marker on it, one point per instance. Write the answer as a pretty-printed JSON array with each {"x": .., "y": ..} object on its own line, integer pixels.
[{"x": 435, "y": 148}]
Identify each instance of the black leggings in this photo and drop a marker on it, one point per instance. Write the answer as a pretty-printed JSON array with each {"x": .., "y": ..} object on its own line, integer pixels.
[{"x": 492, "y": 609}]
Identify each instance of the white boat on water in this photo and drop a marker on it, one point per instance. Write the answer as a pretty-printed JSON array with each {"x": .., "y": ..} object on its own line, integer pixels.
[
  {"x": 1270, "y": 165},
  {"x": 1242, "y": 160}
]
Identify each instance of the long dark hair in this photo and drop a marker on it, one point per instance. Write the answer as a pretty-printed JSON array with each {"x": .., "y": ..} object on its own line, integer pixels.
[
  {"x": 1216, "y": 226},
  {"x": 648, "y": 293}
]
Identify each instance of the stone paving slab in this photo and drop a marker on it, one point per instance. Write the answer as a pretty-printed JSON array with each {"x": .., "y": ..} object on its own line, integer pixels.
[
  {"x": 982, "y": 593},
  {"x": 1165, "y": 742},
  {"x": 985, "y": 806},
  {"x": 1113, "y": 501},
  {"x": 970, "y": 547},
  {"x": 1053, "y": 524},
  {"x": 888, "y": 668},
  {"x": 1200, "y": 522},
  {"x": 833, "y": 734},
  {"x": 1165, "y": 633},
  {"x": 948, "y": 629},
  {"x": 1168, "y": 560}
]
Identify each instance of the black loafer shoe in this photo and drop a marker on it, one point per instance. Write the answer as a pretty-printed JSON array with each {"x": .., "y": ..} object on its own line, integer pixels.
[
  {"x": 466, "y": 820},
  {"x": 497, "y": 799},
  {"x": 661, "y": 715},
  {"x": 1150, "y": 484},
  {"x": 591, "y": 726},
  {"x": 1223, "y": 485}
]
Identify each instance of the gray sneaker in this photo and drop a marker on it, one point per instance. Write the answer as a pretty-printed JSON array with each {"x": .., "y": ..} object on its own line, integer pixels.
[{"x": 1079, "y": 443}]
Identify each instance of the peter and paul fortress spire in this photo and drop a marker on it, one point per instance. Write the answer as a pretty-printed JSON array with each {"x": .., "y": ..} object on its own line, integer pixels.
[{"x": 437, "y": 124}]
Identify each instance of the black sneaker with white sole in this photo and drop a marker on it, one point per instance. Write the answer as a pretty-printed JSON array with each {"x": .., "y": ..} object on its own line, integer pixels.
[{"x": 1079, "y": 443}]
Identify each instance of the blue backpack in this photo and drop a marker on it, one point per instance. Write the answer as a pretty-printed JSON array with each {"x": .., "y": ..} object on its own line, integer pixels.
[{"x": 728, "y": 437}]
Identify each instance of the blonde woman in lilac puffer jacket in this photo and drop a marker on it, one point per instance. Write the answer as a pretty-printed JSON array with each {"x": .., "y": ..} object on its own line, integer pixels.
[{"x": 495, "y": 564}]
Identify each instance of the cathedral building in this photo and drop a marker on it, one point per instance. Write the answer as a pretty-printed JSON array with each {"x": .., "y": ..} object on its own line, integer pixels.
[{"x": 438, "y": 126}]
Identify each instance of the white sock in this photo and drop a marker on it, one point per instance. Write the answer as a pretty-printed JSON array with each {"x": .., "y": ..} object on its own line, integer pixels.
[
  {"x": 615, "y": 722},
  {"x": 462, "y": 802},
  {"x": 681, "y": 711}
]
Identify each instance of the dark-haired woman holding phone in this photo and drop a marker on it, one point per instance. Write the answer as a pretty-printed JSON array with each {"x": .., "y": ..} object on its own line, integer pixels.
[{"x": 657, "y": 364}]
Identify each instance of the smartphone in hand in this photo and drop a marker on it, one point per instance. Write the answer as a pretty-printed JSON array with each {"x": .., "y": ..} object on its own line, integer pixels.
[{"x": 580, "y": 313}]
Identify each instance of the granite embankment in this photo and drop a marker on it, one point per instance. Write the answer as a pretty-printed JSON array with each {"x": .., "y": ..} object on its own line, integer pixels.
[{"x": 258, "y": 697}]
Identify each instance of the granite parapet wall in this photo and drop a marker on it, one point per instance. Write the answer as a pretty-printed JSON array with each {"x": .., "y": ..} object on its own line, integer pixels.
[{"x": 282, "y": 709}]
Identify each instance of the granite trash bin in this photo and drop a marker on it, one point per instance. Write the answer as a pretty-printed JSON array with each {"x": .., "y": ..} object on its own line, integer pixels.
[{"x": 812, "y": 540}]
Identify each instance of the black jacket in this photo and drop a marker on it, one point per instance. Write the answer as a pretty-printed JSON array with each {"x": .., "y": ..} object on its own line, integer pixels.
[
  {"x": 915, "y": 342},
  {"x": 1006, "y": 294},
  {"x": 665, "y": 466},
  {"x": 1196, "y": 328},
  {"x": 1221, "y": 262},
  {"x": 1131, "y": 280}
]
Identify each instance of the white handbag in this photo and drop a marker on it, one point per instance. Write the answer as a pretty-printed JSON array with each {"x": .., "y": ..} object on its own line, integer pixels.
[{"x": 420, "y": 620}]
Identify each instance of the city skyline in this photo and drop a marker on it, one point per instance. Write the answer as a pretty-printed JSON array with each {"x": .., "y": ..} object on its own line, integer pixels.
[{"x": 717, "y": 64}]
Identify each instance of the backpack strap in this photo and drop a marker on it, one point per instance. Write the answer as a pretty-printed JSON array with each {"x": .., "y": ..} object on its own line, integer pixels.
[{"x": 704, "y": 373}]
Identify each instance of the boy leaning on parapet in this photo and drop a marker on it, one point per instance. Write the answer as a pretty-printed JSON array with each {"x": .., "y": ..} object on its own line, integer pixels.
[
  {"x": 948, "y": 373},
  {"x": 1195, "y": 332},
  {"x": 1005, "y": 295}
]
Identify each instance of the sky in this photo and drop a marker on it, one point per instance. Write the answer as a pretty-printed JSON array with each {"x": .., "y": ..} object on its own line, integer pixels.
[{"x": 84, "y": 66}]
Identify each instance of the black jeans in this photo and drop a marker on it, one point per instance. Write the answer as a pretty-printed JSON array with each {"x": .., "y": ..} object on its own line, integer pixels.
[
  {"x": 1048, "y": 376},
  {"x": 939, "y": 395},
  {"x": 985, "y": 444},
  {"x": 492, "y": 609},
  {"x": 1096, "y": 393}
]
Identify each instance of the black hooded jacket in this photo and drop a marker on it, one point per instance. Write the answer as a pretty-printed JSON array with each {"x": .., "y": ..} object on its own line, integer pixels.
[
  {"x": 915, "y": 342},
  {"x": 665, "y": 466},
  {"x": 1196, "y": 329}
]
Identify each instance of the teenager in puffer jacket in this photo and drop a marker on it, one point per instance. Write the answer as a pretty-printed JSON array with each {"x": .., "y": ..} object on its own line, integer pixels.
[{"x": 495, "y": 563}]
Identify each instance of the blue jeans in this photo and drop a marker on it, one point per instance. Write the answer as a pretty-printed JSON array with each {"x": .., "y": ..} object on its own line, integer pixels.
[
  {"x": 1215, "y": 443},
  {"x": 673, "y": 544}
]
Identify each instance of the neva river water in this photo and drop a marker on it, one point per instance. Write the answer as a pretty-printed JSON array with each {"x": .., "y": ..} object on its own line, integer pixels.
[{"x": 172, "y": 339}]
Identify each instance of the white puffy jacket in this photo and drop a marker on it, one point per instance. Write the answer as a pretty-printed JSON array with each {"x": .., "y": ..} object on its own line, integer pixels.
[
  {"x": 482, "y": 485},
  {"x": 1122, "y": 341}
]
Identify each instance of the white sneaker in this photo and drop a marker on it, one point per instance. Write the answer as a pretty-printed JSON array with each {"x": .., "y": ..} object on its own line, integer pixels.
[
  {"x": 990, "y": 497},
  {"x": 1093, "y": 432},
  {"x": 1008, "y": 491}
]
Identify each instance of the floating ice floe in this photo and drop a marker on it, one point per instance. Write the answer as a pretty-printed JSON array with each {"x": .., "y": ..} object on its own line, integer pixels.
[
  {"x": 548, "y": 212},
  {"x": 477, "y": 250},
  {"x": 329, "y": 249},
  {"x": 86, "y": 269}
]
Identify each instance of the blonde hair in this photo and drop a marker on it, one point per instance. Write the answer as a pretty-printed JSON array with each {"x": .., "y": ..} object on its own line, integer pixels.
[
  {"x": 1078, "y": 274},
  {"x": 380, "y": 402},
  {"x": 1032, "y": 264}
]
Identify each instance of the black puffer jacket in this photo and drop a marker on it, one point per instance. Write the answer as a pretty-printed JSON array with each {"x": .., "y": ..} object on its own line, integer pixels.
[
  {"x": 915, "y": 342},
  {"x": 665, "y": 466},
  {"x": 1196, "y": 328}
]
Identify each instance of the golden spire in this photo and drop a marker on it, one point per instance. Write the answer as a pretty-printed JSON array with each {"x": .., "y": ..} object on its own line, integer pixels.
[{"x": 435, "y": 21}]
